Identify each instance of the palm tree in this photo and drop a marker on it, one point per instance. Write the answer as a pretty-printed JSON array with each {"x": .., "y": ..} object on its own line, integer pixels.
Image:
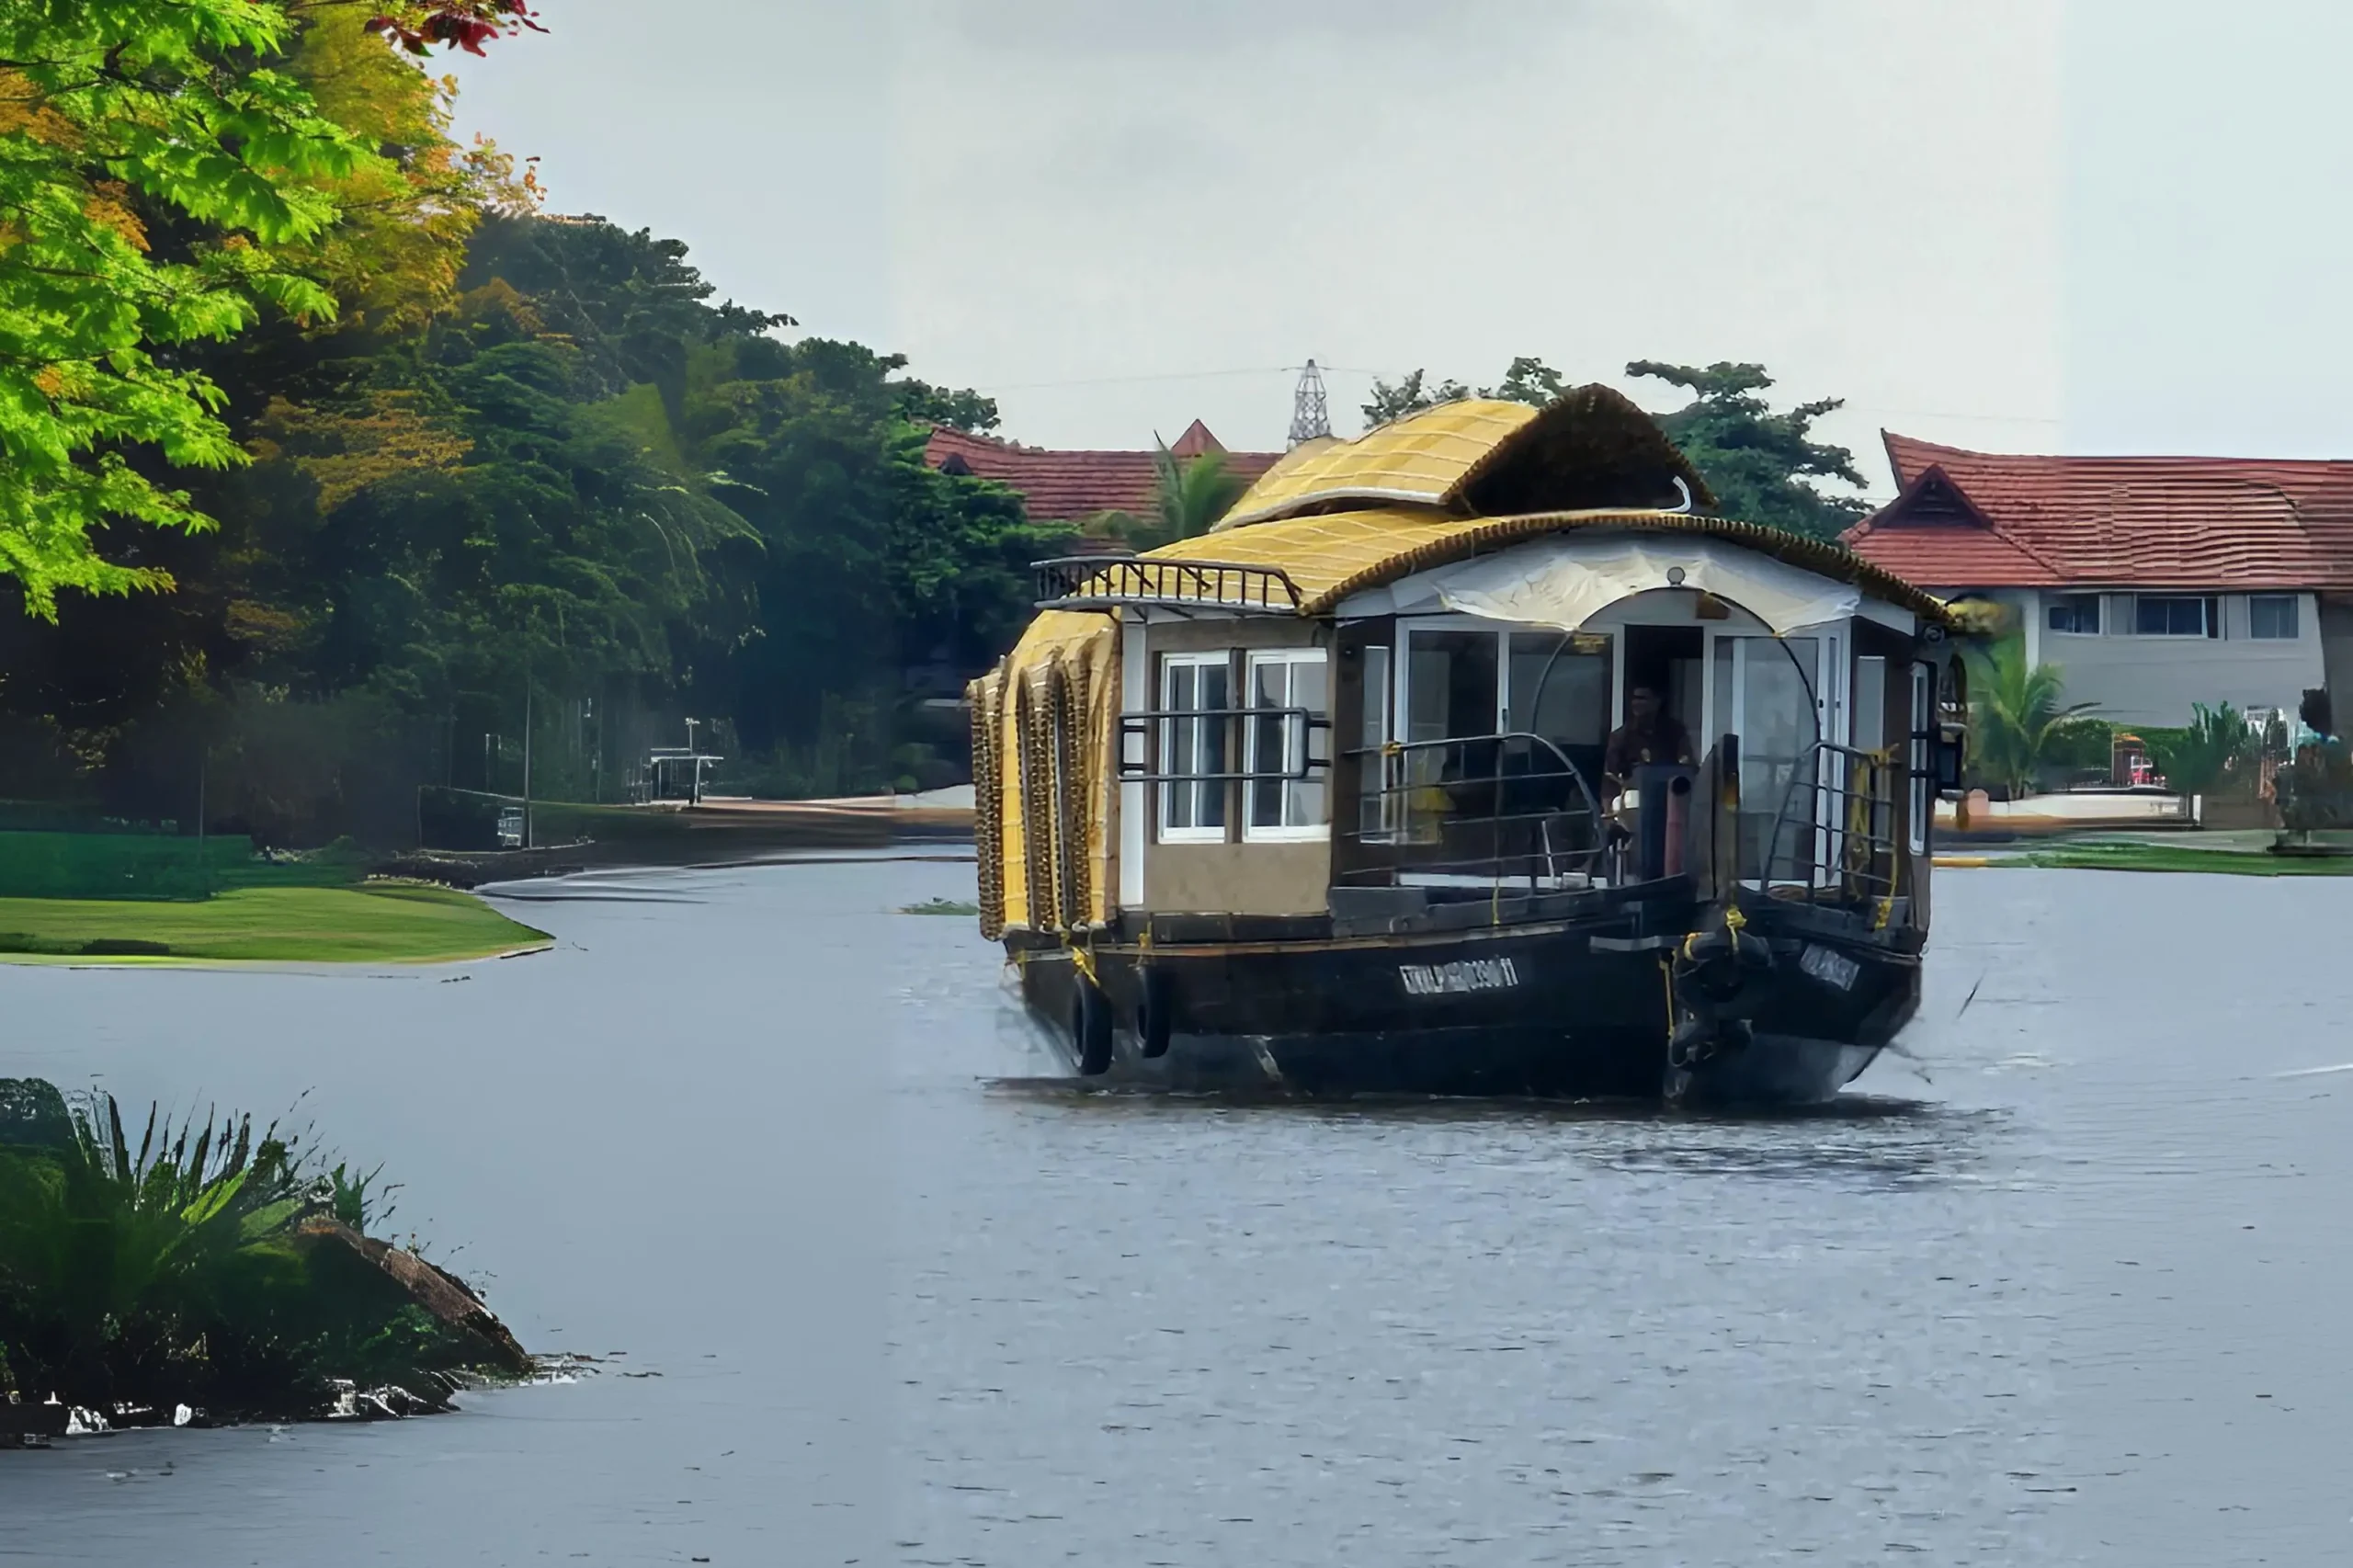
[
  {"x": 1194, "y": 494},
  {"x": 2015, "y": 710}
]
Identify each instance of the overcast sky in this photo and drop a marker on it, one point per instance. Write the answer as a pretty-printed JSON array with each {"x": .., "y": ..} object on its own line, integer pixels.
[{"x": 2019, "y": 224}]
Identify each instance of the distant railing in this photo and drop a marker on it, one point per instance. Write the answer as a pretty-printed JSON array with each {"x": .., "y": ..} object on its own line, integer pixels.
[
  {"x": 1095, "y": 582},
  {"x": 1491, "y": 811}
]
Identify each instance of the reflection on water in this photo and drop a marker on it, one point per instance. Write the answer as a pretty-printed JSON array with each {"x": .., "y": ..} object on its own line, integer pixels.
[{"x": 871, "y": 1282}]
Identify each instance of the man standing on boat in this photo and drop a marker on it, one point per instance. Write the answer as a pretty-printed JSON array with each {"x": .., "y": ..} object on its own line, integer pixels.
[{"x": 1649, "y": 734}]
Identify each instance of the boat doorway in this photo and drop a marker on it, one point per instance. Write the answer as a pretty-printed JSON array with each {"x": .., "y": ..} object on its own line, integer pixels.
[{"x": 1672, "y": 662}]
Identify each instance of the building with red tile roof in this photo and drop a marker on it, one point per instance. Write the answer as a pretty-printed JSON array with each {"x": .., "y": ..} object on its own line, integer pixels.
[
  {"x": 1065, "y": 486},
  {"x": 2154, "y": 582}
]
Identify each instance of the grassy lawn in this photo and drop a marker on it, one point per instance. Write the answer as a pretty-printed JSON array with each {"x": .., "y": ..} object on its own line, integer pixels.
[{"x": 376, "y": 923}]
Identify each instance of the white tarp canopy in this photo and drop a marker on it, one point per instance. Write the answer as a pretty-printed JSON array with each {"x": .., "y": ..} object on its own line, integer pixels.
[{"x": 1564, "y": 580}]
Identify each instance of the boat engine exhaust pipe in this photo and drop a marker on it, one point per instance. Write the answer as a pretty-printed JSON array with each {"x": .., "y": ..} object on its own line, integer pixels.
[{"x": 1678, "y": 823}]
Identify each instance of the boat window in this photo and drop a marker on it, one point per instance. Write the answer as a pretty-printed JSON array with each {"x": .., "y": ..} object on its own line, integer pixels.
[
  {"x": 1870, "y": 703},
  {"x": 1451, "y": 685},
  {"x": 1194, "y": 808},
  {"x": 1284, "y": 806},
  {"x": 1557, "y": 685},
  {"x": 1765, "y": 686}
]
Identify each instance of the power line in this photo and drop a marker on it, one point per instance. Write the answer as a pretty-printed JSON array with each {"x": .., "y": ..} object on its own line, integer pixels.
[{"x": 1156, "y": 376}]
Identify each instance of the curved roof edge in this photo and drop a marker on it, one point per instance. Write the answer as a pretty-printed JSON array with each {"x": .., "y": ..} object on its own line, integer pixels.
[
  {"x": 1471, "y": 535},
  {"x": 1330, "y": 555}
]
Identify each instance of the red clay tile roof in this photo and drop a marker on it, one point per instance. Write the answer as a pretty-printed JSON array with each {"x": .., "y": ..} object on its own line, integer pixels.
[
  {"x": 1998, "y": 519},
  {"x": 1066, "y": 487}
]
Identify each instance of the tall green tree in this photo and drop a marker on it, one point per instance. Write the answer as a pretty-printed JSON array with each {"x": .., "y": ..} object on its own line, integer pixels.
[
  {"x": 1411, "y": 393},
  {"x": 152, "y": 169},
  {"x": 1763, "y": 466}
]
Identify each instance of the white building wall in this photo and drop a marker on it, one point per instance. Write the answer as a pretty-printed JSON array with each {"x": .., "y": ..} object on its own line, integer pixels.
[{"x": 2157, "y": 680}]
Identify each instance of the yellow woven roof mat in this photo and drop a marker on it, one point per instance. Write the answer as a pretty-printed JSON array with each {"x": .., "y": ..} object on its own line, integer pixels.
[{"x": 1590, "y": 448}]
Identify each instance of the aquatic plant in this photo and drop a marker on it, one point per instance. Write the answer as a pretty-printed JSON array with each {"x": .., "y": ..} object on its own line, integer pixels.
[{"x": 213, "y": 1267}]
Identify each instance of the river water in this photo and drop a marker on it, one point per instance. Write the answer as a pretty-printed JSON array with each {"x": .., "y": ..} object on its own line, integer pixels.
[{"x": 2067, "y": 1287}]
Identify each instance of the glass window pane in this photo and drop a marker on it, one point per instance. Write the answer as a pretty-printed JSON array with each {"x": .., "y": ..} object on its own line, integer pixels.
[
  {"x": 1193, "y": 746},
  {"x": 1777, "y": 738},
  {"x": 1560, "y": 687},
  {"x": 1268, "y": 688},
  {"x": 1373, "y": 815},
  {"x": 1280, "y": 745},
  {"x": 2271, "y": 615},
  {"x": 1213, "y": 692},
  {"x": 1304, "y": 800},
  {"x": 1870, "y": 704},
  {"x": 1452, "y": 688}
]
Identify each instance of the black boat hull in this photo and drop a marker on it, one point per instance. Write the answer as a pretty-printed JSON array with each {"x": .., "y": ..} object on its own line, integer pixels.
[{"x": 1539, "y": 1011}]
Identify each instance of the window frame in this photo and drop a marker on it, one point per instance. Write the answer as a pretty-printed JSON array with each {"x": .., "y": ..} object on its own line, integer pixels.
[
  {"x": 1252, "y": 660},
  {"x": 2209, "y": 608},
  {"x": 2071, "y": 603},
  {"x": 1166, "y": 831},
  {"x": 2294, "y": 603}
]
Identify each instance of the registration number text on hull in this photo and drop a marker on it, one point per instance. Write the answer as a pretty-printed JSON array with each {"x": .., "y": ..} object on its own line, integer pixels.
[{"x": 1462, "y": 976}]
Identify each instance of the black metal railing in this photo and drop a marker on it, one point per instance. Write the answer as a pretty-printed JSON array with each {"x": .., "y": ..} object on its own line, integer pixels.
[
  {"x": 1493, "y": 810},
  {"x": 1096, "y": 582},
  {"x": 1230, "y": 744},
  {"x": 1835, "y": 832}
]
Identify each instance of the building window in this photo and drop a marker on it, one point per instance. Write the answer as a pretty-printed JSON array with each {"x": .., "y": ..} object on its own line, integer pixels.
[
  {"x": 2076, "y": 614},
  {"x": 1287, "y": 698},
  {"x": 1192, "y": 750},
  {"x": 2271, "y": 615},
  {"x": 2171, "y": 615}
]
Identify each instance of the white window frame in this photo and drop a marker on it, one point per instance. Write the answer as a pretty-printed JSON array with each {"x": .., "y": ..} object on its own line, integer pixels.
[
  {"x": 2295, "y": 618},
  {"x": 2209, "y": 616},
  {"x": 1222, "y": 659},
  {"x": 1299, "y": 737}
]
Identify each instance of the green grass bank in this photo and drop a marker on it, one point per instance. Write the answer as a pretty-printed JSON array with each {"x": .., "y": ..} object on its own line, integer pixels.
[{"x": 371, "y": 922}]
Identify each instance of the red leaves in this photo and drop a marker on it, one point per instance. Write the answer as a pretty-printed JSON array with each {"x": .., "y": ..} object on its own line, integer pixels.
[{"x": 462, "y": 24}]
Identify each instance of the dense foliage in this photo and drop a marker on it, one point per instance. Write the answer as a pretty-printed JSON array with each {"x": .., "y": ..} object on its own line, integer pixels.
[
  {"x": 1765, "y": 467},
  {"x": 422, "y": 470},
  {"x": 203, "y": 1265}
]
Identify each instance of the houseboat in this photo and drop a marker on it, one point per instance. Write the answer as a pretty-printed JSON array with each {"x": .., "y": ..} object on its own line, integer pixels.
[{"x": 1471, "y": 755}]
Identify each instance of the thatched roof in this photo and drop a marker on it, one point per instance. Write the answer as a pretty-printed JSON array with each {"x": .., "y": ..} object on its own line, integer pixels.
[{"x": 1589, "y": 449}]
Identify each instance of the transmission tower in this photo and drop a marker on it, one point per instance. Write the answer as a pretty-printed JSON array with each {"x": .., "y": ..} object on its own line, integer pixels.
[{"x": 1311, "y": 413}]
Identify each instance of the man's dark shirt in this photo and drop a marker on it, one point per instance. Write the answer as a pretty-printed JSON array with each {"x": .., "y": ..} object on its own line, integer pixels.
[{"x": 1629, "y": 747}]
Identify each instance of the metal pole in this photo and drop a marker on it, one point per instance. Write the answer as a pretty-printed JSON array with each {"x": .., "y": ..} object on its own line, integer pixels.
[
  {"x": 203, "y": 868},
  {"x": 527, "y": 761}
]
